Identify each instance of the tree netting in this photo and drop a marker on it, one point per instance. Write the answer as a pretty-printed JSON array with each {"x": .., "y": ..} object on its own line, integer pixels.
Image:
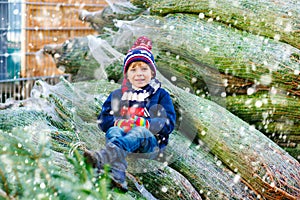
[
  {"x": 31, "y": 169},
  {"x": 67, "y": 94},
  {"x": 73, "y": 125},
  {"x": 232, "y": 52},
  {"x": 278, "y": 20},
  {"x": 261, "y": 165},
  {"x": 239, "y": 146},
  {"x": 217, "y": 61},
  {"x": 212, "y": 153},
  {"x": 227, "y": 63},
  {"x": 104, "y": 19}
]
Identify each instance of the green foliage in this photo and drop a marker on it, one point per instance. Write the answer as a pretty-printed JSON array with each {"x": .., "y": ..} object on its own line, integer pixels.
[
  {"x": 28, "y": 170},
  {"x": 20, "y": 117},
  {"x": 257, "y": 17}
]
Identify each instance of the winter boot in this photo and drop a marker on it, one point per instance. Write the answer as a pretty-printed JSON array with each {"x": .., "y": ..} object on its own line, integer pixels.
[
  {"x": 114, "y": 156},
  {"x": 117, "y": 158},
  {"x": 96, "y": 159},
  {"x": 118, "y": 175},
  {"x": 104, "y": 156}
]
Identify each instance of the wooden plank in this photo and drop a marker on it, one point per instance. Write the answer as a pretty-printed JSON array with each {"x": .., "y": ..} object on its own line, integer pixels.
[
  {"x": 36, "y": 40},
  {"x": 23, "y": 36},
  {"x": 69, "y": 2},
  {"x": 40, "y": 64},
  {"x": 52, "y": 22},
  {"x": 56, "y": 16}
]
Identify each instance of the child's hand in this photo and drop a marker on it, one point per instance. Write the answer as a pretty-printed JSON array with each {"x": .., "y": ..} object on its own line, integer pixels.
[
  {"x": 140, "y": 121},
  {"x": 125, "y": 124},
  {"x": 128, "y": 124}
]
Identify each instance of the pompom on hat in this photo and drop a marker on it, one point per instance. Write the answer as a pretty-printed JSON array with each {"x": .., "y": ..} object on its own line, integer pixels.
[{"x": 140, "y": 51}]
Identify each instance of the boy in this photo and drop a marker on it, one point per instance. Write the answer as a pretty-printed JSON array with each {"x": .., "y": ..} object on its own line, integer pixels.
[{"x": 137, "y": 118}]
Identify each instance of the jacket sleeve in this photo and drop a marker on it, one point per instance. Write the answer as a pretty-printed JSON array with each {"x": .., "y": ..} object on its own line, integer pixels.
[
  {"x": 163, "y": 122},
  {"x": 107, "y": 117}
]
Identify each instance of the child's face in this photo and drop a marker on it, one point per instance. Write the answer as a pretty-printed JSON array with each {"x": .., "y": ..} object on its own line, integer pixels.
[{"x": 139, "y": 74}]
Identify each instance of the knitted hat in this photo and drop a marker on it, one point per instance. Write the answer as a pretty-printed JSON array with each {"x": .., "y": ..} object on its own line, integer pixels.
[{"x": 140, "y": 51}]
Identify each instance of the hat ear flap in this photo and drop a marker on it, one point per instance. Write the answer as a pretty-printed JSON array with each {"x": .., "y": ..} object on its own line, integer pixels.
[{"x": 124, "y": 85}]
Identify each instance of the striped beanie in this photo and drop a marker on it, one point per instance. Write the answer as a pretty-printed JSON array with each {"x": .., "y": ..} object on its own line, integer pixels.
[{"x": 140, "y": 51}]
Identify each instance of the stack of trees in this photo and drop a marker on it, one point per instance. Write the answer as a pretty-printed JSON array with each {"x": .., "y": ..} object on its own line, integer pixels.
[
  {"x": 227, "y": 80},
  {"x": 234, "y": 53}
]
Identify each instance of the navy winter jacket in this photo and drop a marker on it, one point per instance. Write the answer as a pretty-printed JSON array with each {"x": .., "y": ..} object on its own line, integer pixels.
[{"x": 162, "y": 114}]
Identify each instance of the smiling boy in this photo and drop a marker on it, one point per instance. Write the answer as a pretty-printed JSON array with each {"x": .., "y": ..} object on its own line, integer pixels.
[{"x": 137, "y": 118}]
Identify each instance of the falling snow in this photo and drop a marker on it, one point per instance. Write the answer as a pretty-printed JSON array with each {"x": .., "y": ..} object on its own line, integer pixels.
[{"x": 268, "y": 100}]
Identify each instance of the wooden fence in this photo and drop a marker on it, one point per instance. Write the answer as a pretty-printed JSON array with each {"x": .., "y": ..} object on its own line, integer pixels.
[{"x": 37, "y": 23}]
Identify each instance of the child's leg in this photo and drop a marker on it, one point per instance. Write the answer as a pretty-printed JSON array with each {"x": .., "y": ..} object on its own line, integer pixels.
[
  {"x": 113, "y": 133},
  {"x": 120, "y": 144},
  {"x": 138, "y": 139}
]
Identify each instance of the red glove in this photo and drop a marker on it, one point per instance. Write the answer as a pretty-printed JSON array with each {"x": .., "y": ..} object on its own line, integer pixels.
[{"x": 125, "y": 124}]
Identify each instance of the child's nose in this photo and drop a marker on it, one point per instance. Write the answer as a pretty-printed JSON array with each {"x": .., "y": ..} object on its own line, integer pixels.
[{"x": 139, "y": 72}]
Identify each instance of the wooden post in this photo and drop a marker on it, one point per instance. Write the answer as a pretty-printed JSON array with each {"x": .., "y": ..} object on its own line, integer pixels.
[{"x": 23, "y": 40}]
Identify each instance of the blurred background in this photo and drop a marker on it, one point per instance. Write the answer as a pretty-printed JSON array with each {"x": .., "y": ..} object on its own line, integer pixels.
[{"x": 26, "y": 26}]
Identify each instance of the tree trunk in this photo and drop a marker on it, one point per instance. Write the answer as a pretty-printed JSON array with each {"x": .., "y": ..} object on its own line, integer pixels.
[{"x": 105, "y": 18}]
